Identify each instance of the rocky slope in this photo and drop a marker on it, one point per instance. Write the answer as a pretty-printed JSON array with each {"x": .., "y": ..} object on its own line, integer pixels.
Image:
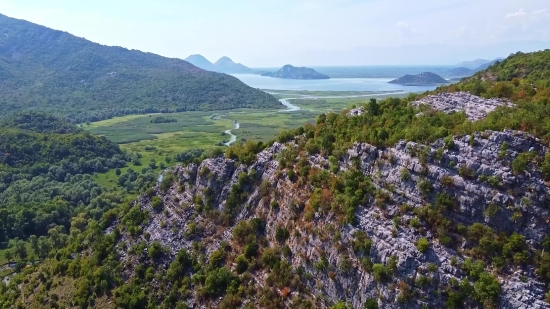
[
  {"x": 322, "y": 256},
  {"x": 291, "y": 72},
  {"x": 425, "y": 78},
  {"x": 475, "y": 107}
]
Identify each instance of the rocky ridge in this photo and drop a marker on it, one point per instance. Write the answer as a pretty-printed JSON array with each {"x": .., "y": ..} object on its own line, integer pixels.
[
  {"x": 475, "y": 107},
  {"x": 322, "y": 237}
]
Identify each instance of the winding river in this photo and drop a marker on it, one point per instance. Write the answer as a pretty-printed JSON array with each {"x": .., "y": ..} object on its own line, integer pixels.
[
  {"x": 292, "y": 108},
  {"x": 233, "y": 136}
]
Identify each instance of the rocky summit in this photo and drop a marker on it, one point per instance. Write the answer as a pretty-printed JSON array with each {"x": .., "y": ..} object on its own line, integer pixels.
[
  {"x": 475, "y": 107},
  {"x": 466, "y": 182}
]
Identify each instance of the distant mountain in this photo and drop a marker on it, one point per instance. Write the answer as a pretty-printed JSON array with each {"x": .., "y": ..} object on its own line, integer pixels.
[
  {"x": 201, "y": 62},
  {"x": 477, "y": 64},
  {"x": 226, "y": 65},
  {"x": 223, "y": 65},
  {"x": 460, "y": 71},
  {"x": 425, "y": 78},
  {"x": 472, "y": 64},
  {"x": 291, "y": 72},
  {"x": 486, "y": 65},
  {"x": 56, "y": 72}
]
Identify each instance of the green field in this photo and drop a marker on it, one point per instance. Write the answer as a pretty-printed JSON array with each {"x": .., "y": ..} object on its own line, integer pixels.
[{"x": 136, "y": 133}]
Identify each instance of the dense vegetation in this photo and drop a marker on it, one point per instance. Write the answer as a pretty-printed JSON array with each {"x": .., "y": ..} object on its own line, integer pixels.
[
  {"x": 53, "y": 71},
  {"x": 52, "y": 210}
]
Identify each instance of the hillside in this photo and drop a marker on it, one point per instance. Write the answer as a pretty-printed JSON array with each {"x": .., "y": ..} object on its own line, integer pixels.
[
  {"x": 291, "y": 72},
  {"x": 425, "y": 78},
  {"x": 432, "y": 201},
  {"x": 223, "y": 65},
  {"x": 48, "y": 70}
]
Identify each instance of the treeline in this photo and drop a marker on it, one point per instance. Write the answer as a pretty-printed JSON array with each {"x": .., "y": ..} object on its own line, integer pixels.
[{"x": 161, "y": 119}]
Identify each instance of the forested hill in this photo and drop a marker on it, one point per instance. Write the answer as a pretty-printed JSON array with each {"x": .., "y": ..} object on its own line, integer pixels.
[
  {"x": 54, "y": 71},
  {"x": 534, "y": 67},
  {"x": 34, "y": 140}
]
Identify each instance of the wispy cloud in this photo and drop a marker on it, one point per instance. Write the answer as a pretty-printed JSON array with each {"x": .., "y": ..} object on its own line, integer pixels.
[
  {"x": 542, "y": 11},
  {"x": 519, "y": 13}
]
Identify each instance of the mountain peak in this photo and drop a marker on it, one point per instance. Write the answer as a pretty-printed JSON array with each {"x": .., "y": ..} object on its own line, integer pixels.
[
  {"x": 224, "y": 60},
  {"x": 223, "y": 65}
]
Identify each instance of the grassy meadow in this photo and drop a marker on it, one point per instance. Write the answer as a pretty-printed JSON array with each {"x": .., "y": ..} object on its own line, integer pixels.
[{"x": 137, "y": 134}]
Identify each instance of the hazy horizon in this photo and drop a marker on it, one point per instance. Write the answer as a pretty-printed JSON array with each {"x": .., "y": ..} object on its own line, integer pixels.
[{"x": 303, "y": 33}]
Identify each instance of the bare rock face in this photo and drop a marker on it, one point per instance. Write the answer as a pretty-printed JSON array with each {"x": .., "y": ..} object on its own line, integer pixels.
[
  {"x": 520, "y": 199},
  {"x": 475, "y": 107},
  {"x": 358, "y": 111}
]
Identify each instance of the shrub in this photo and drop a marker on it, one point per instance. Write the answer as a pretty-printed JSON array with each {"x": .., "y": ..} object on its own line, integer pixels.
[
  {"x": 422, "y": 245},
  {"x": 155, "y": 251},
  {"x": 449, "y": 142},
  {"x": 218, "y": 280},
  {"x": 486, "y": 289},
  {"x": 371, "y": 303},
  {"x": 520, "y": 162},
  {"x": 242, "y": 264},
  {"x": 466, "y": 172},
  {"x": 405, "y": 175},
  {"x": 251, "y": 250},
  {"x": 447, "y": 181},
  {"x": 380, "y": 272},
  {"x": 281, "y": 234},
  {"x": 425, "y": 186},
  {"x": 157, "y": 204}
]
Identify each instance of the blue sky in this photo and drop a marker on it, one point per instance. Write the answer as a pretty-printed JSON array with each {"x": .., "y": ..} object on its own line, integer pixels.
[{"x": 303, "y": 32}]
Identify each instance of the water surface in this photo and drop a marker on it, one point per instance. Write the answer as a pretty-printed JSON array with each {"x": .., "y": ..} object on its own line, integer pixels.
[{"x": 333, "y": 84}]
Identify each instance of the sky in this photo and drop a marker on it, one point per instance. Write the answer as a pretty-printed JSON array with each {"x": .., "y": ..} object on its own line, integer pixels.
[{"x": 271, "y": 33}]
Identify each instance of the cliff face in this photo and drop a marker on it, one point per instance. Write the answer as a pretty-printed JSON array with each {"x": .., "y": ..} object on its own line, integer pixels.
[{"x": 327, "y": 259}]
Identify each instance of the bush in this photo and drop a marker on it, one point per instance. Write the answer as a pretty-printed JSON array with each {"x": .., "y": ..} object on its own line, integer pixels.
[
  {"x": 281, "y": 234},
  {"x": 371, "y": 303},
  {"x": 519, "y": 165},
  {"x": 218, "y": 280},
  {"x": 242, "y": 264},
  {"x": 422, "y": 245},
  {"x": 380, "y": 272},
  {"x": 487, "y": 289},
  {"x": 157, "y": 204}
]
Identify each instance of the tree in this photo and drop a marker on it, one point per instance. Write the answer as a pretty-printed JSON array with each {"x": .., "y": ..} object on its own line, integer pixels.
[
  {"x": 57, "y": 237},
  {"x": 18, "y": 248},
  {"x": 8, "y": 254},
  {"x": 117, "y": 171},
  {"x": 34, "y": 244}
]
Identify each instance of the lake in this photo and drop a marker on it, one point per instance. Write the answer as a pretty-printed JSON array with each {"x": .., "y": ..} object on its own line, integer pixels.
[{"x": 333, "y": 84}]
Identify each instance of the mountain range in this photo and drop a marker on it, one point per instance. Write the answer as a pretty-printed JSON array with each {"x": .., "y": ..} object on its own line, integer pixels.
[
  {"x": 48, "y": 70},
  {"x": 476, "y": 64},
  {"x": 223, "y": 65}
]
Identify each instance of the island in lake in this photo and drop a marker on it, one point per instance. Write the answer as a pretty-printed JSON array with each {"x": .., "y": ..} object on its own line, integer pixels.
[
  {"x": 292, "y": 72},
  {"x": 422, "y": 79}
]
